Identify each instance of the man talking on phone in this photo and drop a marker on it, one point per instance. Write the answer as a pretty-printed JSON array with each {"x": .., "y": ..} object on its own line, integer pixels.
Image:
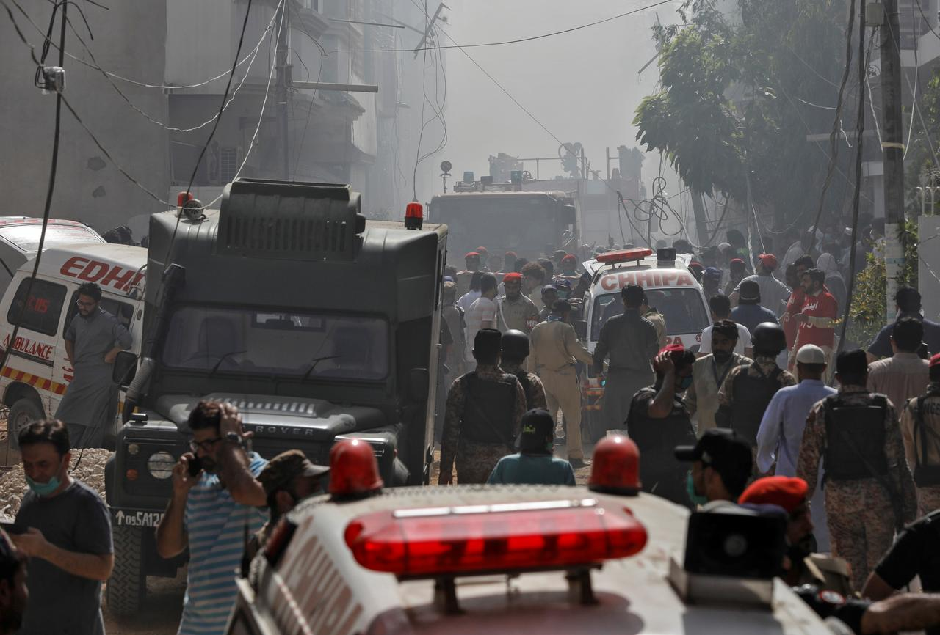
[{"x": 216, "y": 502}]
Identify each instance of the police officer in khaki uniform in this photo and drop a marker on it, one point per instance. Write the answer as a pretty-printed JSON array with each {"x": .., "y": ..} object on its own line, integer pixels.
[
  {"x": 482, "y": 417},
  {"x": 555, "y": 350},
  {"x": 656, "y": 318},
  {"x": 515, "y": 349},
  {"x": 514, "y": 310},
  {"x": 869, "y": 489},
  {"x": 920, "y": 429}
]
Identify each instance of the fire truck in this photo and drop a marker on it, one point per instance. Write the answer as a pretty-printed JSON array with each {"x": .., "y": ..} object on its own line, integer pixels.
[
  {"x": 286, "y": 302},
  {"x": 502, "y": 219}
]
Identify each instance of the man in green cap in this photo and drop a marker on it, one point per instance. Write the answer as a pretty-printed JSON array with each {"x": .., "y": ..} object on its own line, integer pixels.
[{"x": 287, "y": 479}]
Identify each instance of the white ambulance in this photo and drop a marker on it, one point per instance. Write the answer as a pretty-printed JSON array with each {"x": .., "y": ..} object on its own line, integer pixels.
[
  {"x": 37, "y": 371},
  {"x": 19, "y": 240},
  {"x": 670, "y": 287},
  {"x": 546, "y": 560}
]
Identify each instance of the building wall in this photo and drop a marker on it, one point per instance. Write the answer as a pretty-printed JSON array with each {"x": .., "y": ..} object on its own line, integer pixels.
[{"x": 88, "y": 187}]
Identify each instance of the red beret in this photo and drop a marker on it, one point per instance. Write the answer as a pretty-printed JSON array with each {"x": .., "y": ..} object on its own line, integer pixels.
[
  {"x": 673, "y": 350},
  {"x": 783, "y": 491},
  {"x": 737, "y": 261},
  {"x": 696, "y": 263},
  {"x": 569, "y": 258},
  {"x": 510, "y": 254},
  {"x": 768, "y": 260},
  {"x": 513, "y": 277},
  {"x": 483, "y": 250},
  {"x": 472, "y": 254},
  {"x": 935, "y": 360}
]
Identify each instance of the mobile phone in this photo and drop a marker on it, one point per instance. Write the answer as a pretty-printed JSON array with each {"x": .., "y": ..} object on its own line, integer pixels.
[{"x": 195, "y": 466}]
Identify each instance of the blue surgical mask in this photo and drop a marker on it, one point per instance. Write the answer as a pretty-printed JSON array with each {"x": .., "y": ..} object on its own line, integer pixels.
[
  {"x": 44, "y": 489},
  {"x": 685, "y": 382},
  {"x": 690, "y": 489}
]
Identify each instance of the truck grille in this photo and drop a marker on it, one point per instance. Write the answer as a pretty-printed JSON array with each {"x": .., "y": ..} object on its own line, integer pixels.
[{"x": 285, "y": 407}]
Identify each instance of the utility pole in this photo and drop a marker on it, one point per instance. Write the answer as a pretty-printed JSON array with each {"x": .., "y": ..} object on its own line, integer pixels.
[
  {"x": 892, "y": 146},
  {"x": 283, "y": 84}
]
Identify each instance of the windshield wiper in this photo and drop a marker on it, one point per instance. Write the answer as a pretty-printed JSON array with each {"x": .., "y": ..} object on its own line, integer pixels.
[
  {"x": 314, "y": 364},
  {"x": 222, "y": 359}
]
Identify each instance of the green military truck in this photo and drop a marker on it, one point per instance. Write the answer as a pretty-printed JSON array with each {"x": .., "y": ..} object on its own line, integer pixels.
[{"x": 286, "y": 302}]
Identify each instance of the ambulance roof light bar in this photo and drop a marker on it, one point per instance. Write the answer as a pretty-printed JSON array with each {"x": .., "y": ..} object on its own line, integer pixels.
[
  {"x": 447, "y": 542},
  {"x": 624, "y": 255}
]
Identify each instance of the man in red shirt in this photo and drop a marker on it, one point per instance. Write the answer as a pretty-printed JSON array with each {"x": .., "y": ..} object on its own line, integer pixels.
[
  {"x": 790, "y": 325},
  {"x": 818, "y": 315}
]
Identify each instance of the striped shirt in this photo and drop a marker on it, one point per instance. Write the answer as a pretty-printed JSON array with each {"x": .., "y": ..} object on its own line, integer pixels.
[{"x": 215, "y": 524}]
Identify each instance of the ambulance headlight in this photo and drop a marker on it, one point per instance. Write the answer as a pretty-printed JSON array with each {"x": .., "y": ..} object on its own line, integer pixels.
[{"x": 160, "y": 465}]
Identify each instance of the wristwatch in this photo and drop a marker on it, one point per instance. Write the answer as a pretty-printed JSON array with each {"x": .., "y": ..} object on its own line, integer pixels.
[{"x": 233, "y": 437}]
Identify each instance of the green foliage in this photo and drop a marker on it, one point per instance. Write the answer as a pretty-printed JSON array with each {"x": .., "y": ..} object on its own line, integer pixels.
[
  {"x": 869, "y": 295},
  {"x": 920, "y": 165},
  {"x": 751, "y": 89}
]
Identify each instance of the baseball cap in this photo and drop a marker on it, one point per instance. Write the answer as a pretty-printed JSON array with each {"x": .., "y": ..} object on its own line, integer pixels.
[
  {"x": 784, "y": 491},
  {"x": 810, "y": 354},
  {"x": 285, "y": 467},
  {"x": 749, "y": 290},
  {"x": 712, "y": 272},
  {"x": 549, "y": 288},
  {"x": 768, "y": 260},
  {"x": 722, "y": 449}
]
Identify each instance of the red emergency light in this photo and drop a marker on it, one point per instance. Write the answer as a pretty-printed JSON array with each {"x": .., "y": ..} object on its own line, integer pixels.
[
  {"x": 446, "y": 541},
  {"x": 182, "y": 198},
  {"x": 624, "y": 255},
  {"x": 414, "y": 216}
]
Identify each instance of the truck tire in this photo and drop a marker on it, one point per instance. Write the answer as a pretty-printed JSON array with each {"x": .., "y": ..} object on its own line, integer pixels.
[
  {"x": 24, "y": 411},
  {"x": 128, "y": 584}
]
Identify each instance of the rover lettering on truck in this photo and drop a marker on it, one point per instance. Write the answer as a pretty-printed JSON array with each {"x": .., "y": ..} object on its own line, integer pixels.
[{"x": 316, "y": 324}]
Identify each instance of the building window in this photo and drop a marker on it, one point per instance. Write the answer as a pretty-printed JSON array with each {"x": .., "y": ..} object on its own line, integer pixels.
[
  {"x": 311, "y": 5},
  {"x": 228, "y": 163}
]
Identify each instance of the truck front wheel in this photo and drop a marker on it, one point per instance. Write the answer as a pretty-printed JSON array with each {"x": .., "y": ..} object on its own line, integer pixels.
[
  {"x": 23, "y": 412},
  {"x": 128, "y": 584}
]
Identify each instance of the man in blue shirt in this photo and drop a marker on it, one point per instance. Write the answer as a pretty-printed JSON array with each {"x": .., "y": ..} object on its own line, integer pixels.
[
  {"x": 534, "y": 465},
  {"x": 907, "y": 300},
  {"x": 211, "y": 513},
  {"x": 781, "y": 429},
  {"x": 749, "y": 312}
]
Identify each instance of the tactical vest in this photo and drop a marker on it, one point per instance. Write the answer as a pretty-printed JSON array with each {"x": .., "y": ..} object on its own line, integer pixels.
[
  {"x": 750, "y": 398},
  {"x": 855, "y": 439},
  {"x": 925, "y": 474},
  {"x": 489, "y": 406},
  {"x": 523, "y": 378},
  {"x": 660, "y": 436}
]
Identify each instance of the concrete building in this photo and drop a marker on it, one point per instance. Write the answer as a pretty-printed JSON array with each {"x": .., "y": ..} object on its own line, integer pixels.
[{"x": 185, "y": 54}]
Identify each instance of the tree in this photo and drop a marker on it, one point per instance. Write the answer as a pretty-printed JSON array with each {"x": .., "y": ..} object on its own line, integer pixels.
[{"x": 740, "y": 98}]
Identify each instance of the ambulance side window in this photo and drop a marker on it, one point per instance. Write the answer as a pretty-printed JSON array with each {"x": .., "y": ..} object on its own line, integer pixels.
[
  {"x": 39, "y": 311},
  {"x": 123, "y": 311}
]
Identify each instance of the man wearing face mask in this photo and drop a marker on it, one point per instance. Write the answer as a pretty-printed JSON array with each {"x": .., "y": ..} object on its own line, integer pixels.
[
  {"x": 210, "y": 513},
  {"x": 802, "y": 566},
  {"x": 64, "y": 528},
  {"x": 721, "y": 466},
  {"x": 658, "y": 422},
  {"x": 709, "y": 372}
]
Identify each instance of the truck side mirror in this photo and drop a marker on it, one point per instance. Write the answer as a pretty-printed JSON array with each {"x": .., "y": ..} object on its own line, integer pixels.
[
  {"x": 419, "y": 384},
  {"x": 580, "y": 329},
  {"x": 124, "y": 368}
]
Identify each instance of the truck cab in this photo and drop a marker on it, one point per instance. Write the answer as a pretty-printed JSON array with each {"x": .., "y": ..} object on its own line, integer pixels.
[{"x": 316, "y": 324}]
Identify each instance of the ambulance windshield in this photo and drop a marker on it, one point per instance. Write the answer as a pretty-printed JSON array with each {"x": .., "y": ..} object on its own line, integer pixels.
[
  {"x": 244, "y": 341},
  {"x": 682, "y": 307}
]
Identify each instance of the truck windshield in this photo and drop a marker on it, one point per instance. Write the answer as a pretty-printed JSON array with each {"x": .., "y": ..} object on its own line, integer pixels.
[
  {"x": 683, "y": 310},
  {"x": 249, "y": 342}
]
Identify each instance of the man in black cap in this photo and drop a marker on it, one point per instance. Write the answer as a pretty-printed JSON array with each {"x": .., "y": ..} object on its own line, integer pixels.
[
  {"x": 869, "y": 489},
  {"x": 534, "y": 464},
  {"x": 287, "y": 479},
  {"x": 721, "y": 466},
  {"x": 482, "y": 416}
]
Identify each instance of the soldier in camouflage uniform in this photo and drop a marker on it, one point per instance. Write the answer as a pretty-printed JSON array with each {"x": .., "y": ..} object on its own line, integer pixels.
[
  {"x": 870, "y": 491},
  {"x": 920, "y": 429},
  {"x": 747, "y": 390},
  {"x": 482, "y": 417},
  {"x": 515, "y": 349}
]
